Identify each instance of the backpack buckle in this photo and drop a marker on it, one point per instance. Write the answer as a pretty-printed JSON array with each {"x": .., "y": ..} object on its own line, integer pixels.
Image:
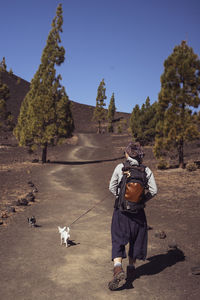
[
  {"x": 127, "y": 173},
  {"x": 131, "y": 210}
]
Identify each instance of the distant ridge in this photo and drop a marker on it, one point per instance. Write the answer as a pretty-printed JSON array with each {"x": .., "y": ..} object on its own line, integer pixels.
[
  {"x": 18, "y": 88},
  {"x": 82, "y": 113}
]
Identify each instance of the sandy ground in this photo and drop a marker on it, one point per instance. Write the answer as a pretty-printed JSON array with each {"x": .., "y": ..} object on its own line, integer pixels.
[{"x": 34, "y": 265}]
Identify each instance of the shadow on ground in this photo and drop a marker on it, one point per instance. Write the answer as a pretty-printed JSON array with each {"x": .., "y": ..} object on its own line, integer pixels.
[
  {"x": 155, "y": 265},
  {"x": 84, "y": 162},
  {"x": 72, "y": 243}
]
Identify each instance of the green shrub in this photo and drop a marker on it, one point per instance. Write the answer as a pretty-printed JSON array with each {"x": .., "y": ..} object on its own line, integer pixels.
[
  {"x": 162, "y": 164},
  {"x": 191, "y": 167}
]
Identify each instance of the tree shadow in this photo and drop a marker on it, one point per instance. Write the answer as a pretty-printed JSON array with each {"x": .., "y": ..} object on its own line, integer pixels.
[
  {"x": 86, "y": 162},
  {"x": 155, "y": 265}
]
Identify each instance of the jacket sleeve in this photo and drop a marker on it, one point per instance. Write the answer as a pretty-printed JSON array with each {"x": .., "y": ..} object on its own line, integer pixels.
[
  {"x": 115, "y": 179},
  {"x": 152, "y": 187}
]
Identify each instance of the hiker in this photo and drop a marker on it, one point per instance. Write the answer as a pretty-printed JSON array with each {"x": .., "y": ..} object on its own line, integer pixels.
[{"x": 129, "y": 223}]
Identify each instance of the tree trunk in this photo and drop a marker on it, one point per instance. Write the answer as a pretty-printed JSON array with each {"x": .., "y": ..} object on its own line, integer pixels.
[
  {"x": 44, "y": 153},
  {"x": 180, "y": 154},
  {"x": 99, "y": 127}
]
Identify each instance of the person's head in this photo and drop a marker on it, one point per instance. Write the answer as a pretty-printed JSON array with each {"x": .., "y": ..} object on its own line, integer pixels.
[{"x": 135, "y": 151}]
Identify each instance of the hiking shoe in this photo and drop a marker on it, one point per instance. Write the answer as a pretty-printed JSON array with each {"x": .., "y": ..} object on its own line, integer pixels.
[{"x": 118, "y": 275}]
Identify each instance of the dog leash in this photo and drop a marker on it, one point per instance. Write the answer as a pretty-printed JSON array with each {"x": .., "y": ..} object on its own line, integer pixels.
[{"x": 87, "y": 211}]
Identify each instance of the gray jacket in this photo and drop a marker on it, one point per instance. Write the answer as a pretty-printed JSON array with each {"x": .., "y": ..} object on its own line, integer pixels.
[{"x": 117, "y": 176}]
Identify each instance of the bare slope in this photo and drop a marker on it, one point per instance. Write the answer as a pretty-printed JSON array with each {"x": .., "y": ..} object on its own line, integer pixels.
[{"x": 82, "y": 113}]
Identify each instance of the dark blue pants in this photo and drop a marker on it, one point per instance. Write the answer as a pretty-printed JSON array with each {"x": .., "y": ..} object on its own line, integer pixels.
[{"x": 129, "y": 228}]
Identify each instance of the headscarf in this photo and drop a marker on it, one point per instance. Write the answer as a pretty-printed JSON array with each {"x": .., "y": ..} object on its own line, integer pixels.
[{"x": 134, "y": 150}]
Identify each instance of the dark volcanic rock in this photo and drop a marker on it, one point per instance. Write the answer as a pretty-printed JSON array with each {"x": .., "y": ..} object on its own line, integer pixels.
[
  {"x": 22, "y": 202},
  {"x": 35, "y": 160},
  {"x": 11, "y": 209},
  {"x": 30, "y": 197},
  {"x": 149, "y": 227},
  {"x": 35, "y": 190},
  {"x": 173, "y": 245},
  {"x": 4, "y": 215},
  {"x": 160, "y": 234},
  {"x": 196, "y": 270}
]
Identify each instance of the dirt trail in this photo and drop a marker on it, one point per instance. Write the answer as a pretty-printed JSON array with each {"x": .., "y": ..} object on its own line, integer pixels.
[{"x": 33, "y": 264}]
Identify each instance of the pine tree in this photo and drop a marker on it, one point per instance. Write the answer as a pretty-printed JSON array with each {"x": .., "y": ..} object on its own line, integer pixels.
[
  {"x": 135, "y": 123},
  {"x": 99, "y": 111},
  {"x": 119, "y": 127},
  {"x": 6, "y": 119},
  {"x": 4, "y": 95},
  {"x": 111, "y": 113},
  {"x": 180, "y": 88},
  {"x": 3, "y": 66},
  {"x": 45, "y": 116},
  {"x": 143, "y": 122},
  {"x": 148, "y": 122}
]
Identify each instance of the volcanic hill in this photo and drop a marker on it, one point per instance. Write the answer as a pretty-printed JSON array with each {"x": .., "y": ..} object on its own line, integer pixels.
[{"x": 82, "y": 113}]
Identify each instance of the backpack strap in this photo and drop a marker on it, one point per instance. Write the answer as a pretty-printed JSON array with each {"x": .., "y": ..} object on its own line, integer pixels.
[
  {"x": 119, "y": 187},
  {"x": 128, "y": 166}
]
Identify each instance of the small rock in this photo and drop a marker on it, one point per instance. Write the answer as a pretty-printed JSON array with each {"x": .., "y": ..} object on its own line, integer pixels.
[
  {"x": 196, "y": 270},
  {"x": 35, "y": 190},
  {"x": 30, "y": 197},
  {"x": 11, "y": 209},
  {"x": 35, "y": 160},
  {"x": 160, "y": 234},
  {"x": 4, "y": 215},
  {"x": 22, "y": 202},
  {"x": 173, "y": 245},
  {"x": 149, "y": 227},
  {"x": 31, "y": 184}
]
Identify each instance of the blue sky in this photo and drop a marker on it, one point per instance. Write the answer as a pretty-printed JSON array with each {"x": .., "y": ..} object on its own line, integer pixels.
[{"x": 123, "y": 41}]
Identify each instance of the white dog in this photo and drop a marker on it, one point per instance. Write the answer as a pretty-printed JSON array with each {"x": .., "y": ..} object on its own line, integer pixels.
[{"x": 64, "y": 235}]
